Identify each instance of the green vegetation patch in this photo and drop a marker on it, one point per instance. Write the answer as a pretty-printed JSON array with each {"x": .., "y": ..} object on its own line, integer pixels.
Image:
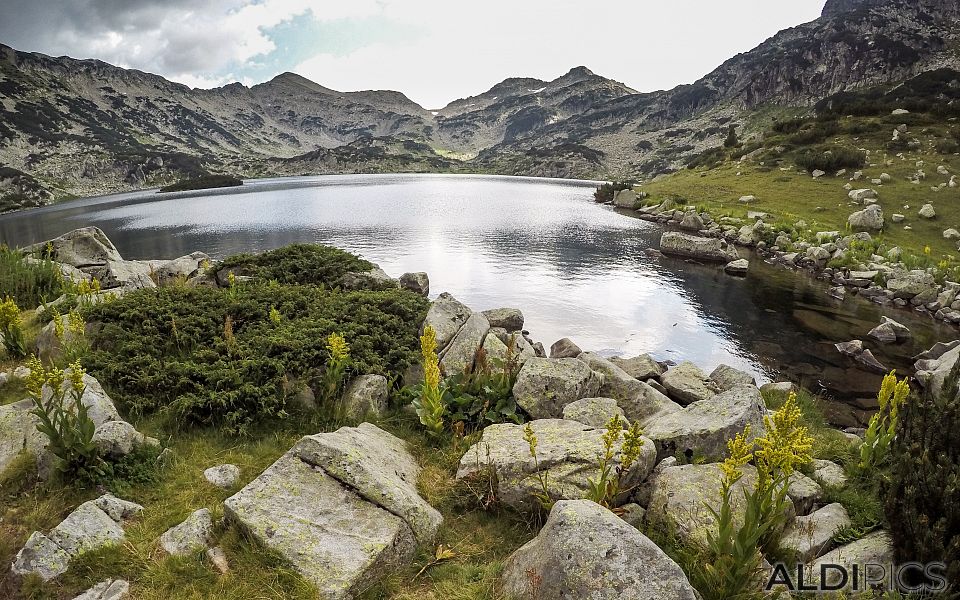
[
  {"x": 298, "y": 264},
  {"x": 204, "y": 182},
  {"x": 28, "y": 282}
]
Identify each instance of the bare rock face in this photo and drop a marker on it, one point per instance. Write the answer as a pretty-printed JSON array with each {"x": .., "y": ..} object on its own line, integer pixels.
[{"x": 586, "y": 551}]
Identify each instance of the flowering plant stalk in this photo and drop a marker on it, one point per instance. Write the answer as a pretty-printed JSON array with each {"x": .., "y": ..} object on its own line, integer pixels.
[{"x": 429, "y": 404}]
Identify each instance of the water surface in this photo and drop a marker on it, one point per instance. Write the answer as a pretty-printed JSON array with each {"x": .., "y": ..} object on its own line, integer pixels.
[{"x": 576, "y": 269}]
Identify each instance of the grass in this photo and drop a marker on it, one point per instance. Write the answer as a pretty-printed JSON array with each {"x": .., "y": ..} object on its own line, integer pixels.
[{"x": 28, "y": 283}]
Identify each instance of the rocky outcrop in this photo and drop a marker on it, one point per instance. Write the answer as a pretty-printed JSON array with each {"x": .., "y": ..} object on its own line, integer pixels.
[
  {"x": 618, "y": 562},
  {"x": 359, "y": 476},
  {"x": 510, "y": 319},
  {"x": 545, "y": 385},
  {"x": 639, "y": 401},
  {"x": 593, "y": 412},
  {"x": 81, "y": 248},
  {"x": 567, "y": 456},
  {"x": 459, "y": 355},
  {"x": 700, "y": 248}
]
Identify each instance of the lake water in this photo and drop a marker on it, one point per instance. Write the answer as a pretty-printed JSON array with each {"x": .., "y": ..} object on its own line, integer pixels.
[{"x": 574, "y": 268}]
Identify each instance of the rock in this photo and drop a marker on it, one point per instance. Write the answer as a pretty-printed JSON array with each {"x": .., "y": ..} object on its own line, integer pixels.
[
  {"x": 625, "y": 199},
  {"x": 366, "y": 395},
  {"x": 618, "y": 562},
  {"x": 691, "y": 222},
  {"x": 817, "y": 254},
  {"x": 361, "y": 480},
  {"x": 870, "y": 218},
  {"x": 811, "y": 536},
  {"x": 726, "y": 378},
  {"x": 859, "y": 196},
  {"x": 181, "y": 269},
  {"x": 633, "y": 514},
  {"x": 567, "y": 454},
  {"x": 885, "y": 178},
  {"x": 111, "y": 589},
  {"x": 510, "y": 319},
  {"x": 779, "y": 387},
  {"x": 496, "y": 349},
  {"x": 49, "y": 348},
  {"x": 829, "y": 473},
  {"x": 446, "y": 315},
  {"x": 737, "y": 267},
  {"x": 218, "y": 558},
  {"x": 374, "y": 279},
  {"x": 686, "y": 383},
  {"x": 639, "y": 367},
  {"x": 701, "y": 430},
  {"x": 868, "y": 360},
  {"x": 927, "y": 211},
  {"x": 87, "y": 528},
  {"x": 804, "y": 492},
  {"x": 897, "y": 218},
  {"x": 545, "y": 385},
  {"x": 817, "y": 173},
  {"x": 118, "y": 438},
  {"x": 192, "y": 535},
  {"x": 595, "y": 412},
  {"x": 883, "y": 333},
  {"x": 910, "y": 283},
  {"x": 691, "y": 246},
  {"x": 900, "y": 111},
  {"x": 951, "y": 234},
  {"x": 418, "y": 283},
  {"x": 459, "y": 354},
  {"x": 747, "y": 199},
  {"x": 565, "y": 348},
  {"x": 125, "y": 274},
  {"x": 942, "y": 170},
  {"x": 638, "y": 400},
  {"x": 81, "y": 248},
  {"x": 223, "y": 476},
  {"x": 875, "y": 548}
]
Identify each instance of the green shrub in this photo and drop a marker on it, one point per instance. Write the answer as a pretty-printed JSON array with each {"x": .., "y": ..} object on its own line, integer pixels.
[
  {"x": 607, "y": 191},
  {"x": 830, "y": 159},
  {"x": 298, "y": 264},
  {"x": 709, "y": 158},
  {"x": 215, "y": 356},
  {"x": 29, "y": 283},
  {"x": 921, "y": 503},
  {"x": 203, "y": 182}
]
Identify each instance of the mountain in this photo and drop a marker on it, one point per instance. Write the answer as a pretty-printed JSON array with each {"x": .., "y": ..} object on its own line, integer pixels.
[{"x": 81, "y": 127}]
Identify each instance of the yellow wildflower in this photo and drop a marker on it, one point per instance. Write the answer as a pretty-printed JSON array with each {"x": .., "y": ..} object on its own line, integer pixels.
[
  {"x": 9, "y": 312},
  {"x": 431, "y": 363},
  {"x": 76, "y": 377},
  {"x": 787, "y": 444},
  {"x": 58, "y": 328},
  {"x": 632, "y": 445},
  {"x": 740, "y": 451},
  {"x": 337, "y": 347},
  {"x": 274, "y": 315},
  {"x": 231, "y": 279},
  {"x": 531, "y": 438},
  {"x": 37, "y": 377},
  {"x": 77, "y": 324},
  {"x": 55, "y": 378}
]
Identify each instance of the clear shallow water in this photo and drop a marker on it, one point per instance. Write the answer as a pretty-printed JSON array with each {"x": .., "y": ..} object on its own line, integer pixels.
[{"x": 576, "y": 269}]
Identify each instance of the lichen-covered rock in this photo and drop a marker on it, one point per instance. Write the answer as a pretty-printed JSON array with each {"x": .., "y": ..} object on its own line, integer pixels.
[
  {"x": 459, "y": 355},
  {"x": 545, "y": 385},
  {"x": 641, "y": 367},
  {"x": 870, "y": 218},
  {"x": 567, "y": 454},
  {"x": 686, "y": 383},
  {"x": 829, "y": 473},
  {"x": 639, "y": 401},
  {"x": 595, "y": 412},
  {"x": 875, "y": 548},
  {"x": 727, "y": 378},
  {"x": 907, "y": 284},
  {"x": 585, "y": 551},
  {"x": 374, "y": 279},
  {"x": 496, "y": 350},
  {"x": 703, "y": 428},
  {"x": 181, "y": 269},
  {"x": 111, "y": 589},
  {"x": 510, "y": 319},
  {"x": 366, "y": 395},
  {"x": 446, "y": 315},
  {"x": 811, "y": 536},
  {"x": 418, "y": 283},
  {"x": 84, "y": 247},
  {"x": 118, "y": 438},
  {"x": 192, "y": 535},
  {"x": 804, "y": 492},
  {"x": 692, "y": 246},
  {"x": 222, "y": 476}
]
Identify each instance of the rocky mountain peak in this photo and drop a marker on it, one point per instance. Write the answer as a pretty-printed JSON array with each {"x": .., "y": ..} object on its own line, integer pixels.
[{"x": 837, "y": 7}]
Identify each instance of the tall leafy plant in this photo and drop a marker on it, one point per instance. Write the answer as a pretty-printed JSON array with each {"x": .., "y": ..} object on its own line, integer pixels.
[
  {"x": 883, "y": 425},
  {"x": 429, "y": 403}
]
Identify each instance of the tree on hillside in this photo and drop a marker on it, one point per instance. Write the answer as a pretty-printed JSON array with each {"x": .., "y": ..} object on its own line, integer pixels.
[{"x": 732, "y": 139}]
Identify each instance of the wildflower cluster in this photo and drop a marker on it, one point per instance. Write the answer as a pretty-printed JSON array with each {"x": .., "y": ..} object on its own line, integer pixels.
[
  {"x": 334, "y": 374},
  {"x": 883, "y": 425},
  {"x": 543, "y": 495},
  {"x": 608, "y": 485},
  {"x": 10, "y": 328},
  {"x": 429, "y": 405}
]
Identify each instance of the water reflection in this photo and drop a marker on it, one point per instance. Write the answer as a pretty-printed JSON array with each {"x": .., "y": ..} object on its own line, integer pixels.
[{"x": 575, "y": 269}]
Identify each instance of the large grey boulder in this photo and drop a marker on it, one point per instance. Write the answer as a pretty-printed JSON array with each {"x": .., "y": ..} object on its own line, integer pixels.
[
  {"x": 726, "y": 378},
  {"x": 88, "y": 527},
  {"x": 701, "y": 248},
  {"x": 640, "y": 367},
  {"x": 126, "y": 274},
  {"x": 110, "y": 589},
  {"x": 119, "y": 438},
  {"x": 639, "y": 401},
  {"x": 594, "y": 412},
  {"x": 418, "y": 283},
  {"x": 625, "y": 199},
  {"x": 497, "y": 350},
  {"x": 545, "y": 385},
  {"x": 875, "y": 548},
  {"x": 907, "y": 284},
  {"x": 585, "y": 551},
  {"x": 829, "y": 473},
  {"x": 446, "y": 315},
  {"x": 366, "y": 395},
  {"x": 510, "y": 319},
  {"x": 703, "y": 428},
  {"x": 869, "y": 219},
  {"x": 341, "y": 507},
  {"x": 932, "y": 373},
  {"x": 459, "y": 355},
  {"x": 84, "y": 247},
  {"x": 686, "y": 383},
  {"x": 181, "y": 269},
  {"x": 192, "y": 535},
  {"x": 811, "y": 536},
  {"x": 567, "y": 455},
  {"x": 564, "y": 348}
]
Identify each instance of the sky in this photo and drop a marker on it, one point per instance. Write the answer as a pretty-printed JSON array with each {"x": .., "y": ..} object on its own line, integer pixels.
[{"x": 433, "y": 51}]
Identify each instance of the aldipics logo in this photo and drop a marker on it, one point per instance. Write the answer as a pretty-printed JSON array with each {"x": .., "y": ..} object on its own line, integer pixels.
[{"x": 911, "y": 577}]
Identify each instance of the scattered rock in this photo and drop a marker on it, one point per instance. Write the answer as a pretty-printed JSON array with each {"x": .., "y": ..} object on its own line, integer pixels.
[
  {"x": 870, "y": 218},
  {"x": 927, "y": 211},
  {"x": 638, "y": 400},
  {"x": 874, "y": 548},
  {"x": 223, "y": 476},
  {"x": 625, "y": 199},
  {"x": 618, "y": 562},
  {"x": 859, "y": 196},
  {"x": 727, "y": 378},
  {"x": 641, "y": 367},
  {"x": 180, "y": 269},
  {"x": 804, "y": 492},
  {"x": 811, "y": 536},
  {"x": 510, "y": 319},
  {"x": 418, "y": 283},
  {"x": 747, "y": 199},
  {"x": 595, "y": 412},
  {"x": 778, "y": 387},
  {"x": 192, "y": 535},
  {"x": 218, "y": 558},
  {"x": 119, "y": 438},
  {"x": 951, "y": 234},
  {"x": 686, "y": 383},
  {"x": 737, "y": 267},
  {"x": 111, "y": 589},
  {"x": 829, "y": 473},
  {"x": 545, "y": 385},
  {"x": 367, "y": 395},
  {"x": 883, "y": 333},
  {"x": 565, "y": 348}
]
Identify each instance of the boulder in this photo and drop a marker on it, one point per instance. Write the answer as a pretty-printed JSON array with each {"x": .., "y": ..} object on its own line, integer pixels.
[
  {"x": 366, "y": 395},
  {"x": 951, "y": 234},
  {"x": 567, "y": 455},
  {"x": 778, "y": 387},
  {"x": 932, "y": 373},
  {"x": 747, "y": 199},
  {"x": 545, "y": 385},
  {"x": 901, "y": 331},
  {"x": 811, "y": 536},
  {"x": 804, "y": 492},
  {"x": 638, "y": 400},
  {"x": 181, "y": 269},
  {"x": 119, "y": 438},
  {"x": 927, "y": 211},
  {"x": 81, "y": 248},
  {"x": 418, "y": 283},
  {"x": 192, "y": 535},
  {"x": 510, "y": 319},
  {"x": 883, "y": 333},
  {"x": 358, "y": 480},
  {"x": 87, "y": 528},
  {"x": 641, "y": 367},
  {"x": 691, "y": 222},
  {"x": 726, "y": 378},
  {"x": 222, "y": 476},
  {"x": 595, "y": 412},
  {"x": 686, "y": 383},
  {"x": 703, "y": 428},
  {"x": 618, "y": 562},
  {"x": 737, "y": 267},
  {"x": 700, "y": 248},
  {"x": 829, "y": 473},
  {"x": 110, "y": 589},
  {"x": 859, "y": 196},
  {"x": 875, "y": 548},
  {"x": 625, "y": 199},
  {"x": 851, "y": 348},
  {"x": 907, "y": 284},
  {"x": 870, "y": 218},
  {"x": 126, "y": 274},
  {"x": 496, "y": 349},
  {"x": 565, "y": 348},
  {"x": 459, "y": 354},
  {"x": 446, "y": 315},
  {"x": 374, "y": 279}
]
